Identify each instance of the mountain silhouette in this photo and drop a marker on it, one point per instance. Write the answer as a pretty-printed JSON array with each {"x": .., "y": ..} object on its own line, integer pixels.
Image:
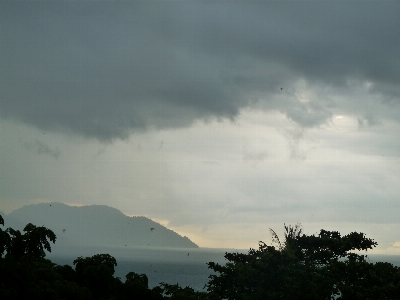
[{"x": 96, "y": 225}]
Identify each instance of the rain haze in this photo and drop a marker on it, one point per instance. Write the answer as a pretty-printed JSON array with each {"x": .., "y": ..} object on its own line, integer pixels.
[{"x": 217, "y": 119}]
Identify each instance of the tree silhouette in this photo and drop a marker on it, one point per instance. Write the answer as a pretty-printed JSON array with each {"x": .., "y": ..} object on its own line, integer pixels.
[
  {"x": 30, "y": 244},
  {"x": 4, "y": 239},
  {"x": 24, "y": 271},
  {"x": 96, "y": 273},
  {"x": 322, "y": 266},
  {"x": 136, "y": 287},
  {"x": 291, "y": 234}
]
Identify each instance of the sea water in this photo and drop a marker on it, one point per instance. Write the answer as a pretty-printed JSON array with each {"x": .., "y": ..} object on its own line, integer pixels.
[{"x": 186, "y": 267}]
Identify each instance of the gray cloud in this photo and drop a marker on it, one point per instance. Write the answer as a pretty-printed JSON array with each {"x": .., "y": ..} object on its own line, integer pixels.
[
  {"x": 42, "y": 148},
  {"x": 260, "y": 156},
  {"x": 106, "y": 69}
]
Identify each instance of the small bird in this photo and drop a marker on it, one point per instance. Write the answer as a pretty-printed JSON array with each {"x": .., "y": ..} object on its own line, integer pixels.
[
  {"x": 152, "y": 229},
  {"x": 281, "y": 89},
  {"x": 64, "y": 230},
  {"x": 188, "y": 254}
]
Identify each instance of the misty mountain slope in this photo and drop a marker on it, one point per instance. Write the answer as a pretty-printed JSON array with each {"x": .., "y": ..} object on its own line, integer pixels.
[{"x": 96, "y": 225}]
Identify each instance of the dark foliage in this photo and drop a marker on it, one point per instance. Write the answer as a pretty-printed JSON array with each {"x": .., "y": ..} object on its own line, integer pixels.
[
  {"x": 96, "y": 274},
  {"x": 323, "y": 266},
  {"x": 31, "y": 244},
  {"x": 26, "y": 274},
  {"x": 175, "y": 292}
]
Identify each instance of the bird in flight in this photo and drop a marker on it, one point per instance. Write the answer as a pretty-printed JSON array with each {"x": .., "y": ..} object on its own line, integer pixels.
[
  {"x": 64, "y": 230},
  {"x": 281, "y": 89},
  {"x": 152, "y": 229}
]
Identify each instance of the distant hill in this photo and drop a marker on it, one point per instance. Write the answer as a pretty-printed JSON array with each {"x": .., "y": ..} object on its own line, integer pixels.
[{"x": 96, "y": 225}]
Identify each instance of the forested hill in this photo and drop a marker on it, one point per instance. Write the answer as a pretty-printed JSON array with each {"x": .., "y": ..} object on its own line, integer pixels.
[{"x": 96, "y": 225}]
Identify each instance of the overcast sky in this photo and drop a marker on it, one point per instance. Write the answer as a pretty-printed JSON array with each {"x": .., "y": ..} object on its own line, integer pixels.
[{"x": 218, "y": 119}]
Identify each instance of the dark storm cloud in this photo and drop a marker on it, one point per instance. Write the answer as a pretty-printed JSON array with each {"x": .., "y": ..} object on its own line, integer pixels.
[{"x": 106, "y": 68}]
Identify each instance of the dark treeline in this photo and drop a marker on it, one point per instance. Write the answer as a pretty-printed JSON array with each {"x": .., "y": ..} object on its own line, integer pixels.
[{"x": 322, "y": 266}]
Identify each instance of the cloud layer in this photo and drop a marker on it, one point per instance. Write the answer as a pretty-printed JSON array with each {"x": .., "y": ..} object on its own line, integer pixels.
[
  {"x": 220, "y": 118},
  {"x": 106, "y": 69}
]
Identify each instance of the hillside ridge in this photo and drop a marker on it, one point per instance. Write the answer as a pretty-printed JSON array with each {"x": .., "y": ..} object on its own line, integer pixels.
[{"x": 96, "y": 225}]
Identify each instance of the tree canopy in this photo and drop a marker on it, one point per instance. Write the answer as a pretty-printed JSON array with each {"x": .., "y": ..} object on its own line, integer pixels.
[
  {"x": 322, "y": 266},
  {"x": 326, "y": 265}
]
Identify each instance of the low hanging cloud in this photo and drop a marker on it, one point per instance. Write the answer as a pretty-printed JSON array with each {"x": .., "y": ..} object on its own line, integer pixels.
[{"x": 107, "y": 69}]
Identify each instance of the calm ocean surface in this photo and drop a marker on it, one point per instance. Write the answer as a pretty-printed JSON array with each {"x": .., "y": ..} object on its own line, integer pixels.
[{"x": 184, "y": 266}]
